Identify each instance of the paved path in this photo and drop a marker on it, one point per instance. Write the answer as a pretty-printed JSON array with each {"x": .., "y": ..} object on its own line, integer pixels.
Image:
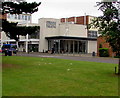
[{"x": 78, "y": 58}]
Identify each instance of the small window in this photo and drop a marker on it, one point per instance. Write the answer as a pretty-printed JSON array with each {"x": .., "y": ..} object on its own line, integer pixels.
[
  {"x": 8, "y": 15},
  {"x": 15, "y": 16},
  {"x": 92, "y": 34},
  {"x": 22, "y": 17},
  {"x": 19, "y": 17},
  {"x": 25, "y": 17},
  {"x": 29, "y": 17}
]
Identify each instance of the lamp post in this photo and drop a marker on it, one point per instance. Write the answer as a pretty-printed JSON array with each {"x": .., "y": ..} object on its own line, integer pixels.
[
  {"x": 27, "y": 39},
  {"x": 27, "y": 43}
]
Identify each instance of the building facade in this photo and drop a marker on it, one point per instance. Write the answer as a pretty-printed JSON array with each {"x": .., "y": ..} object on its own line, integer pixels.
[
  {"x": 21, "y": 18},
  {"x": 66, "y": 35}
]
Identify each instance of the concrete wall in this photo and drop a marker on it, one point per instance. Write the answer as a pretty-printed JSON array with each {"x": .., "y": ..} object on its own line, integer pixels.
[
  {"x": 92, "y": 46},
  {"x": 62, "y": 29},
  {"x": 73, "y": 30},
  {"x": 47, "y": 32}
]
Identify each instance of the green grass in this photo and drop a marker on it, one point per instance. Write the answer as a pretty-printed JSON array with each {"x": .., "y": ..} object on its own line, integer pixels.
[
  {"x": 0, "y": 76},
  {"x": 30, "y": 76}
]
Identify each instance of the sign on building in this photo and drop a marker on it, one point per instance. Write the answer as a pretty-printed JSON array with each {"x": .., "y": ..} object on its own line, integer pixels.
[{"x": 50, "y": 24}]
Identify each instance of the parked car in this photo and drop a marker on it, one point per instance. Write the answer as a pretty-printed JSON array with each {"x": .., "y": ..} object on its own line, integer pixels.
[{"x": 9, "y": 47}]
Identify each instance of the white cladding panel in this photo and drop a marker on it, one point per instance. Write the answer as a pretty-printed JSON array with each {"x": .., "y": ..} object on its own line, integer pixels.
[
  {"x": 48, "y": 27},
  {"x": 73, "y": 30},
  {"x": 92, "y": 46}
]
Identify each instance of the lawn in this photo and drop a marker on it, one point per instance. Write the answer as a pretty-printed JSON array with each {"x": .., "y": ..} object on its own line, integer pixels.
[
  {"x": 0, "y": 76},
  {"x": 32, "y": 76}
]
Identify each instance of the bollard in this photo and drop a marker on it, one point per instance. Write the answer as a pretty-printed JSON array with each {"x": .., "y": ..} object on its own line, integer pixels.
[{"x": 93, "y": 54}]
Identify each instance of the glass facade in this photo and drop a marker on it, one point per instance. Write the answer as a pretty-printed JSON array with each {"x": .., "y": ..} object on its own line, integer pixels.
[
  {"x": 67, "y": 46},
  {"x": 19, "y": 17},
  {"x": 33, "y": 47},
  {"x": 34, "y": 35}
]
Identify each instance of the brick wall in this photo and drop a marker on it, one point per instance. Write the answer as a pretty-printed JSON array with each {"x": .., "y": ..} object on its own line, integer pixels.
[
  {"x": 3, "y": 16},
  {"x": 79, "y": 20},
  {"x": 62, "y": 19},
  {"x": 71, "y": 19},
  {"x": 101, "y": 40}
]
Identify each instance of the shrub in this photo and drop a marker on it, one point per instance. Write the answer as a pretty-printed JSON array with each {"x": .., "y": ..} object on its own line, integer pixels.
[
  {"x": 103, "y": 52},
  {"x": 116, "y": 56},
  {"x": 100, "y": 45}
]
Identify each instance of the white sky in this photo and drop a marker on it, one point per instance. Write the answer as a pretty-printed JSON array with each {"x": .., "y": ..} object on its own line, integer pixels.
[{"x": 65, "y": 8}]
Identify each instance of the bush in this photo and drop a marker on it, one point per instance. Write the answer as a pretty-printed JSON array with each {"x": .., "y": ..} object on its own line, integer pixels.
[
  {"x": 116, "y": 56},
  {"x": 103, "y": 52}
]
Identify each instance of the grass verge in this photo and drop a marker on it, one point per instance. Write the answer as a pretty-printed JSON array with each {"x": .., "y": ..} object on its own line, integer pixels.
[{"x": 32, "y": 76}]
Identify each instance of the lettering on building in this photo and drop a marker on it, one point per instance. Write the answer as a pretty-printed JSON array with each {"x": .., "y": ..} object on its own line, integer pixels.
[{"x": 50, "y": 24}]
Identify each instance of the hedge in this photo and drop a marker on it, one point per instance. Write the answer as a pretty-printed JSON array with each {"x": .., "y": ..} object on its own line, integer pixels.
[{"x": 103, "y": 52}]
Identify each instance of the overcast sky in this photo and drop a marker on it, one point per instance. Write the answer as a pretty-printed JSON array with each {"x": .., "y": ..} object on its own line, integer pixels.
[{"x": 65, "y": 8}]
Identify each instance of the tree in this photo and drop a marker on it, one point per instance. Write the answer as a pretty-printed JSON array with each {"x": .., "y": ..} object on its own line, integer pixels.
[
  {"x": 19, "y": 8},
  {"x": 12, "y": 30},
  {"x": 108, "y": 25}
]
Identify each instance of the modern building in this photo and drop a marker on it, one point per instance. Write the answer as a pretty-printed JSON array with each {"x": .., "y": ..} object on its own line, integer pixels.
[
  {"x": 83, "y": 20},
  {"x": 22, "y": 19},
  {"x": 66, "y": 35}
]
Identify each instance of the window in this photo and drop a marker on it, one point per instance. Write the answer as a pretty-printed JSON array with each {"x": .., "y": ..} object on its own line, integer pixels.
[
  {"x": 19, "y": 17},
  {"x": 14, "y": 46},
  {"x": 15, "y": 16},
  {"x": 29, "y": 18},
  {"x": 25, "y": 17},
  {"x": 92, "y": 34},
  {"x": 22, "y": 17},
  {"x": 8, "y": 15},
  {"x": 50, "y": 24},
  {"x": 34, "y": 35}
]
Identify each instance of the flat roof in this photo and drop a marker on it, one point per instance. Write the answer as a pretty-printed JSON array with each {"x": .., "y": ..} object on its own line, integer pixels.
[{"x": 70, "y": 38}]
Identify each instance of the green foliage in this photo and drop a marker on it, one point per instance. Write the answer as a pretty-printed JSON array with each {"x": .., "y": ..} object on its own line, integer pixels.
[
  {"x": 100, "y": 45},
  {"x": 22, "y": 7},
  {"x": 116, "y": 56},
  {"x": 11, "y": 29},
  {"x": 103, "y": 52},
  {"x": 108, "y": 24}
]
